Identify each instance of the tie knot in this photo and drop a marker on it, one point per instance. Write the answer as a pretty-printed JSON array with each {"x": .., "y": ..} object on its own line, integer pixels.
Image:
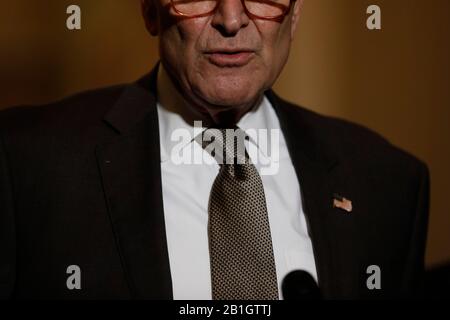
[{"x": 225, "y": 145}]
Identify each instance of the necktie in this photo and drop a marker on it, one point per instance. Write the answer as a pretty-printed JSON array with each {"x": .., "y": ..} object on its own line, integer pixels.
[{"x": 240, "y": 243}]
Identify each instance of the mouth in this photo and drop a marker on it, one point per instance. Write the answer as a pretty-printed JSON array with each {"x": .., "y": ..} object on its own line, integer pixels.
[{"x": 230, "y": 58}]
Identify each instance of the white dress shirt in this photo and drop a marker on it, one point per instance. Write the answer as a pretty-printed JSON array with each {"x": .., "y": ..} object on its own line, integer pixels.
[{"x": 186, "y": 189}]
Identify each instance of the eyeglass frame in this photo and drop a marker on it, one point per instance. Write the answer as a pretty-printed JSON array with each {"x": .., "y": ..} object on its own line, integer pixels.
[{"x": 279, "y": 18}]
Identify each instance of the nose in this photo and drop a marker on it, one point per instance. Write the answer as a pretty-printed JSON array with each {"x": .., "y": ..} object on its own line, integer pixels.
[{"x": 230, "y": 17}]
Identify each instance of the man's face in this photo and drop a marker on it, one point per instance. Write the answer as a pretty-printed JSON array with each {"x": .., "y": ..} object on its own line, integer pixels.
[{"x": 225, "y": 60}]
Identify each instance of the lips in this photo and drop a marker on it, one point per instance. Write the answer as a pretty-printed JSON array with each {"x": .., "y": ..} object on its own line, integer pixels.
[{"x": 230, "y": 58}]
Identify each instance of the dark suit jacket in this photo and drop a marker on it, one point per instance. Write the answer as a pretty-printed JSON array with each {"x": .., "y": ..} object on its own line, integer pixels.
[{"x": 80, "y": 184}]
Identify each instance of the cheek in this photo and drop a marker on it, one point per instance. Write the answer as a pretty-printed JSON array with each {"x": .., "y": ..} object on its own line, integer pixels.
[
  {"x": 276, "y": 45},
  {"x": 179, "y": 44}
]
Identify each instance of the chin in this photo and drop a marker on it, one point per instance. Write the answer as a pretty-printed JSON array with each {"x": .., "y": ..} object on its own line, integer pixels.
[
  {"x": 230, "y": 98},
  {"x": 230, "y": 93}
]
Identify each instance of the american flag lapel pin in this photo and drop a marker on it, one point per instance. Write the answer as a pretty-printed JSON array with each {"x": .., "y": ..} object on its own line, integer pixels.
[{"x": 342, "y": 203}]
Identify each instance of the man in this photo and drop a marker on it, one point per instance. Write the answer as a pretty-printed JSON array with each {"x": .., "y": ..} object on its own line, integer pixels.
[{"x": 95, "y": 204}]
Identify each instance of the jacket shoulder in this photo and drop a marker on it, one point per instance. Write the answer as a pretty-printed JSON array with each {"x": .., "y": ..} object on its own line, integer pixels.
[
  {"x": 74, "y": 112},
  {"x": 356, "y": 144}
]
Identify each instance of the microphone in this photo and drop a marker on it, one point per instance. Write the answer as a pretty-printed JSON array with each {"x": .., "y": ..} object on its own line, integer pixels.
[{"x": 300, "y": 285}]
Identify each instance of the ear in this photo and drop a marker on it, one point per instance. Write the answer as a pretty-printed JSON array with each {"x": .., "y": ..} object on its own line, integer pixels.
[
  {"x": 295, "y": 16},
  {"x": 150, "y": 14}
]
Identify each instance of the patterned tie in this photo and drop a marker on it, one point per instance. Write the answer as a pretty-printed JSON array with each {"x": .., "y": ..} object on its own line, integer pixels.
[{"x": 240, "y": 243}]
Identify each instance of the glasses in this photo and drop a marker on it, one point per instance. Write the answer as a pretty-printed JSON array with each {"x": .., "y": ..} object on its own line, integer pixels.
[{"x": 274, "y": 10}]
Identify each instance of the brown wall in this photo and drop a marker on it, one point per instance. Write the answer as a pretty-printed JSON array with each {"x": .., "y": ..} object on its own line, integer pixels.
[{"x": 396, "y": 81}]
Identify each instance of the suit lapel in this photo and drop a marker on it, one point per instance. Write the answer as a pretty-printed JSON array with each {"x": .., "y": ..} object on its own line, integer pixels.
[
  {"x": 320, "y": 176},
  {"x": 130, "y": 168}
]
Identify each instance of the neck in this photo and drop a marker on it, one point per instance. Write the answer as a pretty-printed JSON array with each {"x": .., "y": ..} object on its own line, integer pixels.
[
  {"x": 230, "y": 118},
  {"x": 170, "y": 97}
]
